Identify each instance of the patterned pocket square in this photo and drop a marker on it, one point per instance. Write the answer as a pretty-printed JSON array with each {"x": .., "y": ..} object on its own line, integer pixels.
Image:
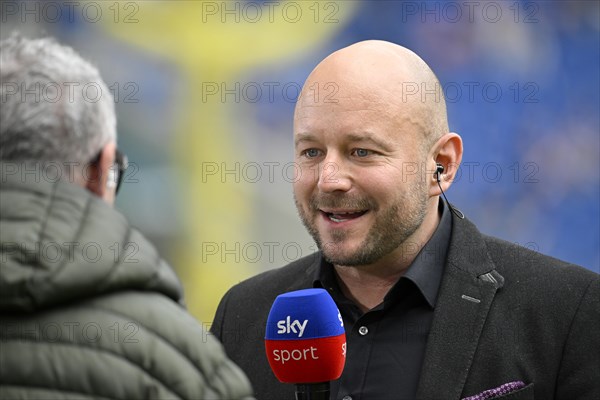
[{"x": 499, "y": 391}]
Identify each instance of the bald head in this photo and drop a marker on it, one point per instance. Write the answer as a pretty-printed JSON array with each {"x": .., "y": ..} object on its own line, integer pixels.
[
  {"x": 369, "y": 128},
  {"x": 387, "y": 76}
]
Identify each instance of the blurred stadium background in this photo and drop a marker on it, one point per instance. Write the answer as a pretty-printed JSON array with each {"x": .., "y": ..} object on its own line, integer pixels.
[{"x": 205, "y": 94}]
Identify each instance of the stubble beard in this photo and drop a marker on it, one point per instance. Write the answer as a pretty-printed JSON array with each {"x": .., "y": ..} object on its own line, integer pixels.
[{"x": 392, "y": 226}]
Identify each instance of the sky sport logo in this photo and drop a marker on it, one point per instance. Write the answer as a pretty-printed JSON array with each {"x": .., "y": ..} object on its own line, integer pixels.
[{"x": 288, "y": 326}]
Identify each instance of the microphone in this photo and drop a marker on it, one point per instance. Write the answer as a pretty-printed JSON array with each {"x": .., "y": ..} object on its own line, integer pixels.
[{"x": 305, "y": 342}]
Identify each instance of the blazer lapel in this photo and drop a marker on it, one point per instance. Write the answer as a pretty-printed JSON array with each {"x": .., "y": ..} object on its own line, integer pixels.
[{"x": 468, "y": 288}]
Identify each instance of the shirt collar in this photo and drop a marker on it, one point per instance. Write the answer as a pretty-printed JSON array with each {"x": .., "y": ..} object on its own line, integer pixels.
[
  {"x": 427, "y": 268},
  {"x": 425, "y": 272}
]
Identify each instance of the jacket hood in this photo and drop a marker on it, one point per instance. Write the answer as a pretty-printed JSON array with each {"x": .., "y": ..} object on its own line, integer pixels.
[{"x": 60, "y": 243}]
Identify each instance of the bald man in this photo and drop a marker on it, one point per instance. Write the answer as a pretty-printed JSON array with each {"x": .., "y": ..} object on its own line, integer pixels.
[{"x": 432, "y": 308}]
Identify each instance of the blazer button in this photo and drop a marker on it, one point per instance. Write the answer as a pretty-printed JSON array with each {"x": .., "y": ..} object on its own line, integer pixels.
[{"x": 363, "y": 330}]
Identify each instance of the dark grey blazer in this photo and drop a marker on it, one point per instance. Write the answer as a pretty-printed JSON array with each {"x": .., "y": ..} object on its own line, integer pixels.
[{"x": 504, "y": 314}]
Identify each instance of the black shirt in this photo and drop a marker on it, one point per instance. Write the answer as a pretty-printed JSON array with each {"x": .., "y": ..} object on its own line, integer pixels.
[{"x": 386, "y": 345}]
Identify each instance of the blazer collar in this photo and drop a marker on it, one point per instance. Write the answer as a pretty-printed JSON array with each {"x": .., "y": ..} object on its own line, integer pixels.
[{"x": 468, "y": 288}]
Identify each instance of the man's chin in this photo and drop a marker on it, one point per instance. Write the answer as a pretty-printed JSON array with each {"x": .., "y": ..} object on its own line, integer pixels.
[{"x": 342, "y": 257}]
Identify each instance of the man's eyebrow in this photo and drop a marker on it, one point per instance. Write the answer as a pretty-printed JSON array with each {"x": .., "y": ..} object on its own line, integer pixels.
[
  {"x": 304, "y": 137},
  {"x": 371, "y": 138},
  {"x": 367, "y": 137}
]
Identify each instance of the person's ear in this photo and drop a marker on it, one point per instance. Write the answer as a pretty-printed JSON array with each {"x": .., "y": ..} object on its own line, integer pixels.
[
  {"x": 98, "y": 177},
  {"x": 447, "y": 151}
]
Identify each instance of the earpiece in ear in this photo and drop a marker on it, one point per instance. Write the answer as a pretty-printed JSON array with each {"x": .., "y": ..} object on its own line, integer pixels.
[
  {"x": 111, "y": 181},
  {"x": 439, "y": 169}
]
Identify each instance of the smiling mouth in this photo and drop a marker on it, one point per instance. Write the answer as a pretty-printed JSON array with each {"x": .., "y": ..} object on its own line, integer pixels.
[{"x": 343, "y": 216}]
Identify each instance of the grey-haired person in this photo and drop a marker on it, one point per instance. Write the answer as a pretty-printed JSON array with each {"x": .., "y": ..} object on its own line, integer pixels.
[{"x": 88, "y": 309}]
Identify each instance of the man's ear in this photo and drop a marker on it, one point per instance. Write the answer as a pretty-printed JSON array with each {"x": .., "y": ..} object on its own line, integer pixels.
[
  {"x": 447, "y": 151},
  {"x": 97, "y": 174}
]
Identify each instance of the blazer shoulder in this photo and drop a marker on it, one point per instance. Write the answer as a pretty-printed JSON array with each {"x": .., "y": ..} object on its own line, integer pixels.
[
  {"x": 294, "y": 276},
  {"x": 526, "y": 263},
  {"x": 250, "y": 298}
]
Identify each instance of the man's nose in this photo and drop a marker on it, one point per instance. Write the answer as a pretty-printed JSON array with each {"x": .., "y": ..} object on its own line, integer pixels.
[{"x": 334, "y": 176}]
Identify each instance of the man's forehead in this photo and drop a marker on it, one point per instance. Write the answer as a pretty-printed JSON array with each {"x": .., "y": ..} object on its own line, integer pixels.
[
  {"x": 341, "y": 101},
  {"x": 360, "y": 91},
  {"x": 352, "y": 100}
]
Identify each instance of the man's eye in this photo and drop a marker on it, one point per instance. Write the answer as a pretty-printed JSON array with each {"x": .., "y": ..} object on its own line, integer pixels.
[
  {"x": 362, "y": 152},
  {"x": 311, "y": 153}
]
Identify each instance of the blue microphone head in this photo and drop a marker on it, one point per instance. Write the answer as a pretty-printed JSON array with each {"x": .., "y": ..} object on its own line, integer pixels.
[
  {"x": 305, "y": 339},
  {"x": 290, "y": 310}
]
